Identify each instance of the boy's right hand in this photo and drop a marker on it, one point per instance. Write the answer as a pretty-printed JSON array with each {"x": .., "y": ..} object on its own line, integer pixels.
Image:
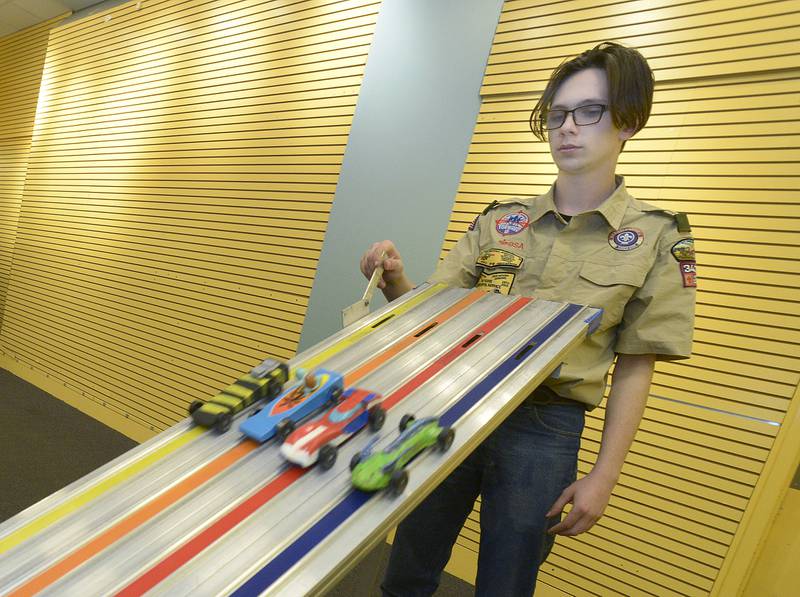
[{"x": 393, "y": 270}]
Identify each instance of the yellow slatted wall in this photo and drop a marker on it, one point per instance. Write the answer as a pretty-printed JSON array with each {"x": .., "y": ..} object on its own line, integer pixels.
[
  {"x": 182, "y": 170},
  {"x": 723, "y": 144},
  {"x": 21, "y": 60}
]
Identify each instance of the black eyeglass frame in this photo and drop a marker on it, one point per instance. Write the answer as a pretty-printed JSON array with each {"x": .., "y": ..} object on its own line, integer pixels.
[{"x": 603, "y": 110}]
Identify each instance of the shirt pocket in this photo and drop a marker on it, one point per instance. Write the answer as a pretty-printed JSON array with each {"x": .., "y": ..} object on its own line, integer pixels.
[{"x": 610, "y": 286}]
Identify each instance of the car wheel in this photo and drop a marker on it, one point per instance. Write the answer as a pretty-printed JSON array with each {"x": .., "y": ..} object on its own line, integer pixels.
[
  {"x": 377, "y": 417},
  {"x": 445, "y": 438},
  {"x": 284, "y": 429},
  {"x": 398, "y": 482},
  {"x": 355, "y": 460},
  {"x": 223, "y": 423},
  {"x": 405, "y": 422},
  {"x": 327, "y": 456},
  {"x": 273, "y": 389},
  {"x": 194, "y": 406}
]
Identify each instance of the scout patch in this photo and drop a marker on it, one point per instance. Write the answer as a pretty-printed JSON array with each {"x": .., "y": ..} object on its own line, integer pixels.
[
  {"x": 626, "y": 239},
  {"x": 512, "y": 223},
  {"x": 500, "y": 283},
  {"x": 498, "y": 258},
  {"x": 683, "y": 250},
  {"x": 689, "y": 273},
  {"x": 473, "y": 223}
]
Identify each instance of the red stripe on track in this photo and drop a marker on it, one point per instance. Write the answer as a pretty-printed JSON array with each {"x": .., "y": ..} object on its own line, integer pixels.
[
  {"x": 205, "y": 538},
  {"x": 208, "y": 536},
  {"x": 456, "y": 352},
  {"x": 133, "y": 521}
]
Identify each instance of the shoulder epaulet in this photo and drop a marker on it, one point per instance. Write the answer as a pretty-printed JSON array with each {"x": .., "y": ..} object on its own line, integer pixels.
[
  {"x": 490, "y": 207},
  {"x": 494, "y": 204},
  {"x": 486, "y": 210},
  {"x": 682, "y": 220}
]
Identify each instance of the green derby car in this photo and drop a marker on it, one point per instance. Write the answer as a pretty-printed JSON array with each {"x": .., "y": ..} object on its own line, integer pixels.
[{"x": 371, "y": 472}]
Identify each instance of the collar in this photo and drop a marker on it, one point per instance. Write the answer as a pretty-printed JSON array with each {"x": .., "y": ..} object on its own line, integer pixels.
[{"x": 612, "y": 209}]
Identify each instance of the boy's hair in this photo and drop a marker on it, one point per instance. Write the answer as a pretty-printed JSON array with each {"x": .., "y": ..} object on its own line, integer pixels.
[{"x": 630, "y": 86}]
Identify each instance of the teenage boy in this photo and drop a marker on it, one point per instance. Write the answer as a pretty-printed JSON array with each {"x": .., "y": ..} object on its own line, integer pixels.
[{"x": 584, "y": 241}]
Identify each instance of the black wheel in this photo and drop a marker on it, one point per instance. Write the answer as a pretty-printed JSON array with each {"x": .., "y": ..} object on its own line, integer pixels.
[
  {"x": 284, "y": 373},
  {"x": 194, "y": 406},
  {"x": 377, "y": 417},
  {"x": 398, "y": 482},
  {"x": 273, "y": 388},
  {"x": 327, "y": 456},
  {"x": 285, "y": 427},
  {"x": 445, "y": 438},
  {"x": 355, "y": 460},
  {"x": 223, "y": 423},
  {"x": 405, "y": 421}
]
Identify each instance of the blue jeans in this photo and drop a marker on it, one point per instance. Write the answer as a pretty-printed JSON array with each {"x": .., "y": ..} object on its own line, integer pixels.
[{"x": 519, "y": 472}]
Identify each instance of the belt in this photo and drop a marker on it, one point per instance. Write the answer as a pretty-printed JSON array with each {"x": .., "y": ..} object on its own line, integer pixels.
[{"x": 545, "y": 395}]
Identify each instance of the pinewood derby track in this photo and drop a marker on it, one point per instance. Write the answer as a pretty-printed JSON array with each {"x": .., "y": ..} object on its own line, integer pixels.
[{"x": 195, "y": 512}]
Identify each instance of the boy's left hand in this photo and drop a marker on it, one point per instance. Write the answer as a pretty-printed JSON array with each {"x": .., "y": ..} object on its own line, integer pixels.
[{"x": 589, "y": 497}]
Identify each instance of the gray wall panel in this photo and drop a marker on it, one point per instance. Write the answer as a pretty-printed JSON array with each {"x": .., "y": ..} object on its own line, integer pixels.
[{"x": 409, "y": 139}]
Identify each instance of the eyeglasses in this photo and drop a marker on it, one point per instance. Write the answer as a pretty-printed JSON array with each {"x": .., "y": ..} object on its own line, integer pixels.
[{"x": 581, "y": 116}]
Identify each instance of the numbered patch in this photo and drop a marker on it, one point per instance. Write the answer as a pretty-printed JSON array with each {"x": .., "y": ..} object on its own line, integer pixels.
[
  {"x": 689, "y": 273},
  {"x": 513, "y": 223},
  {"x": 626, "y": 239},
  {"x": 683, "y": 250},
  {"x": 500, "y": 283},
  {"x": 499, "y": 258}
]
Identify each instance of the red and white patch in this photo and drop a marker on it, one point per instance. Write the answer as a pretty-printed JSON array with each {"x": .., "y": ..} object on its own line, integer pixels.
[
  {"x": 688, "y": 273},
  {"x": 513, "y": 223}
]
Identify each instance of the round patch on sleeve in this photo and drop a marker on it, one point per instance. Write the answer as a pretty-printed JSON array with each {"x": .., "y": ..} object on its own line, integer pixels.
[
  {"x": 683, "y": 250},
  {"x": 626, "y": 239}
]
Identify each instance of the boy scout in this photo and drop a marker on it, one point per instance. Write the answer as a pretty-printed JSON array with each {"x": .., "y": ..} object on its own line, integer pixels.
[{"x": 585, "y": 241}]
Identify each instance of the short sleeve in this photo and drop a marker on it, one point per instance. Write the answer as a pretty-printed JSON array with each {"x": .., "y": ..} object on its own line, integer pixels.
[
  {"x": 659, "y": 317},
  {"x": 458, "y": 267}
]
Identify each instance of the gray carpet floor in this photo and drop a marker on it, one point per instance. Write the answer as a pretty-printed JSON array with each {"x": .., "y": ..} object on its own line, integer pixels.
[{"x": 45, "y": 444}]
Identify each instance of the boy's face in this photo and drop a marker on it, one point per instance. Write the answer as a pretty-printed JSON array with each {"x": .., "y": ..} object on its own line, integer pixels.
[{"x": 591, "y": 148}]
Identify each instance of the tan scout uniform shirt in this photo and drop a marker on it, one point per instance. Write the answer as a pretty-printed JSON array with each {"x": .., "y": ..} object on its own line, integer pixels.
[{"x": 627, "y": 257}]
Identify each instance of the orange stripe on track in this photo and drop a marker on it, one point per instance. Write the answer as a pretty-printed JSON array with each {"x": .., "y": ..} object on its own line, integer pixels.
[
  {"x": 213, "y": 468},
  {"x": 135, "y": 520},
  {"x": 210, "y": 534},
  {"x": 390, "y": 352}
]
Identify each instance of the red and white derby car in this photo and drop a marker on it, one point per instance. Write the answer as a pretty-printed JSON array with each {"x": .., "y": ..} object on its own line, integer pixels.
[{"x": 317, "y": 440}]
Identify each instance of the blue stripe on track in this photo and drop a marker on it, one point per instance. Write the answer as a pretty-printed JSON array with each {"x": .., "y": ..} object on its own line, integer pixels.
[
  {"x": 279, "y": 565},
  {"x": 504, "y": 369}
]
